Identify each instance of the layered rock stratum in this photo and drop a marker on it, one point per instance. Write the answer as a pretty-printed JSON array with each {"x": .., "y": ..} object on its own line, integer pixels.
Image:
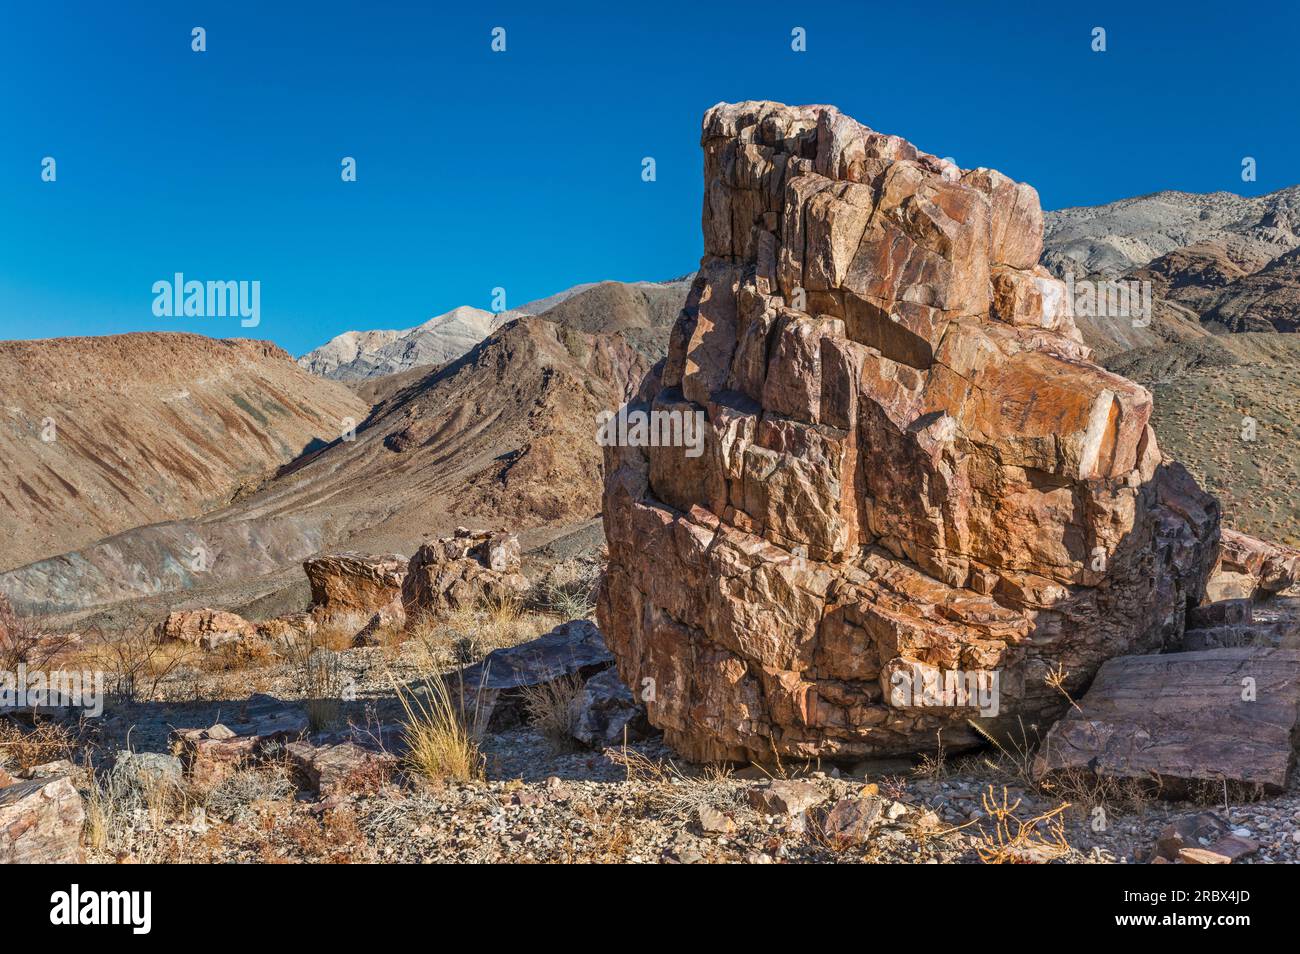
[{"x": 911, "y": 464}]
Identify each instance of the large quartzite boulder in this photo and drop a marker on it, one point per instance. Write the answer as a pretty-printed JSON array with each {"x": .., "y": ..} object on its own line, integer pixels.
[{"x": 910, "y": 467}]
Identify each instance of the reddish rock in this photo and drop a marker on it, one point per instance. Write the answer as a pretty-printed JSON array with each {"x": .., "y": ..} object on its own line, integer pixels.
[
  {"x": 331, "y": 769},
  {"x": 40, "y": 822},
  {"x": 909, "y": 460},
  {"x": 851, "y": 821},
  {"x": 1248, "y": 568},
  {"x": 353, "y": 583},
  {"x": 213, "y": 754}
]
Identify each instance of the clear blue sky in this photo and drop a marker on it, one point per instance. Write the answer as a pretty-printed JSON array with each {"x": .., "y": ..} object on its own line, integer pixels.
[{"x": 522, "y": 169}]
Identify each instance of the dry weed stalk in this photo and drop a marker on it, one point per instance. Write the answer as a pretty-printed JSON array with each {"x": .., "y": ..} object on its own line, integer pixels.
[{"x": 1011, "y": 839}]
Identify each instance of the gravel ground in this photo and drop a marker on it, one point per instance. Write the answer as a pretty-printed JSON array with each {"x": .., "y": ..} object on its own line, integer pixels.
[{"x": 541, "y": 803}]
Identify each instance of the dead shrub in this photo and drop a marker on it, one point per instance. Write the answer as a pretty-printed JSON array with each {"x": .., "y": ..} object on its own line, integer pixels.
[
  {"x": 549, "y": 709},
  {"x": 23, "y": 747},
  {"x": 1006, "y": 838}
]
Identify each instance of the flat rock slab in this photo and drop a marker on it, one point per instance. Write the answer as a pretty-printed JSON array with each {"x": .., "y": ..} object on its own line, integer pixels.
[
  {"x": 1184, "y": 718},
  {"x": 490, "y": 688}
]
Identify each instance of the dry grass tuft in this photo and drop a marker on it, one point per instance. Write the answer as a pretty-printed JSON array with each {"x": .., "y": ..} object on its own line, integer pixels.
[
  {"x": 126, "y": 810},
  {"x": 441, "y": 747},
  {"x": 675, "y": 793}
]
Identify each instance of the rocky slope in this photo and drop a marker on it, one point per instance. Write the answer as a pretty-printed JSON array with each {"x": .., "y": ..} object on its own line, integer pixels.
[
  {"x": 502, "y": 436},
  {"x": 1220, "y": 349},
  {"x": 912, "y": 468},
  {"x": 1117, "y": 237},
  {"x": 98, "y": 435},
  {"x": 642, "y": 310},
  {"x": 358, "y": 355}
]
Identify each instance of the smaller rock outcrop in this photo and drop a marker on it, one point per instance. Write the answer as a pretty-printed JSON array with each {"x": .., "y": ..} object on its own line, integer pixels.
[
  {"x": 212, "y": 754},
  {"x": 1249, "y": 568},
  {"x": 354, "y": 583},
  {"x": 605, "y": 712},
  {"x": 492, "y": 690},
  {"x": 205, "y": 628},
  {"x": 462, "y": 571}
]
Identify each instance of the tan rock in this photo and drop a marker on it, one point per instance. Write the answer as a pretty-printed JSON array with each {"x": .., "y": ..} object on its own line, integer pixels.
[
  {"x": 786, "y": 797},
  {"x": 714, "y": 822},
  {"x": 205, "y": 628},
  {"x": 462, "y": 571},
  {"x": 910, "y": 460},
  {"x": 40, "y": 822},
  {"x": 289, "y": 629},
  {"x": 1249, "y": 568}
]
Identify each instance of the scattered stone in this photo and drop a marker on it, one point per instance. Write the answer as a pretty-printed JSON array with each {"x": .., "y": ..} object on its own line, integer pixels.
[
  {"x": 714, "y": 822},
  {"x": 40, "y": 822},
  {"x": 786, "y": 797},
  {"x": 1219, "y": 714},
  {"x": 48, "y": 770},
  {"x": 1190, "y": 831},
  {"x": 213, "y": 754},
  {"x": 851, "y": 821},
  {"x": 1202, "y": 856},
  {"x": 605, "y": 713},
  {"x": 331, "y": 769},
  {"x": 155, "y": 768}
]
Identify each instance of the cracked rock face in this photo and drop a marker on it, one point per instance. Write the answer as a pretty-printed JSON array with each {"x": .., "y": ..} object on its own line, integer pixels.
[{"x": 910, "y": 464}]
